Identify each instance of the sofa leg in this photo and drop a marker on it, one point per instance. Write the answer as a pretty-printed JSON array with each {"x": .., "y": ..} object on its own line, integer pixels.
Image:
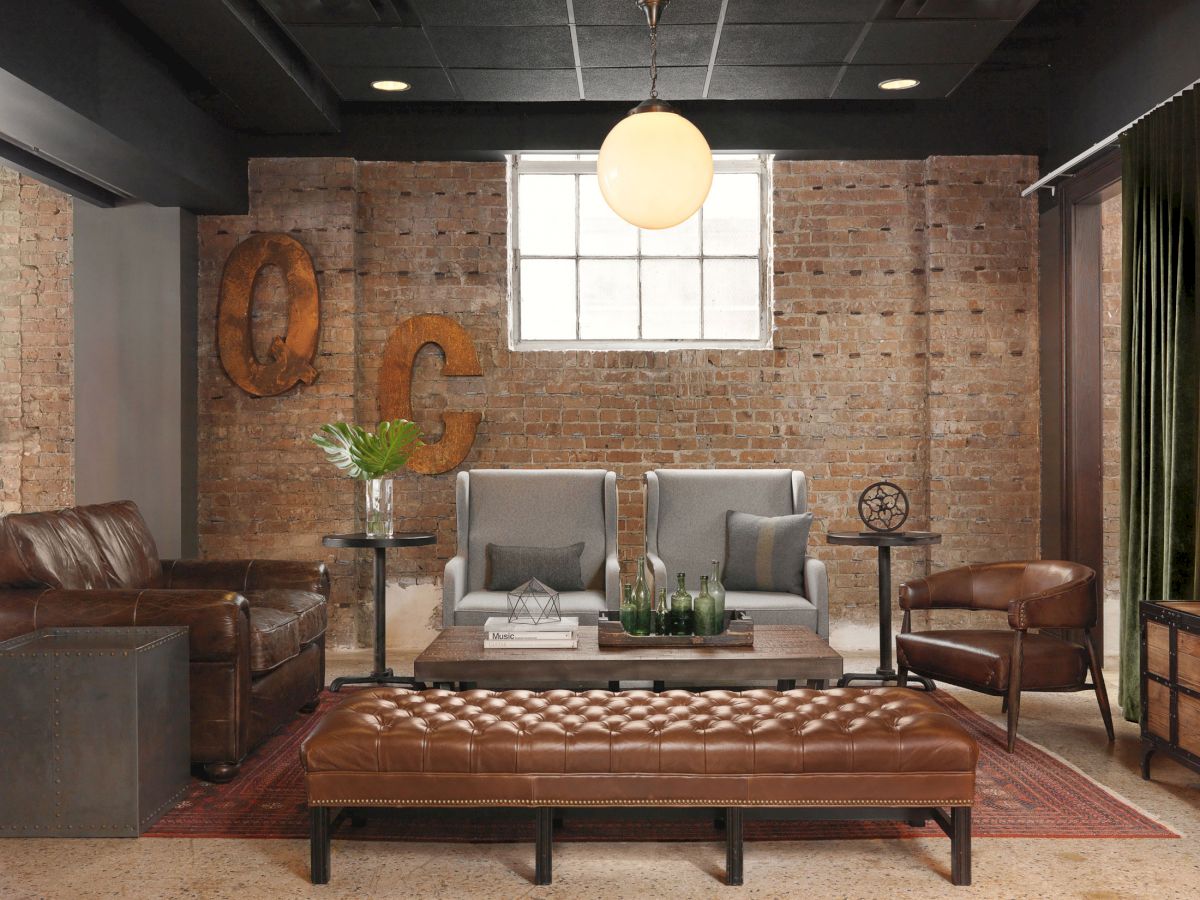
[
  {"x": 319, "y": 845},
  {"x": 311, "y": 706},
  {"x": 1101, "y": 690},
  {"x": 1014, "y": 692},
  {"x": 902, "y": 676},
  {"x": 733, "y": 845},
  {"x": 221, "y": 773},
  {"x": 960, "y": 845},
  {"x": 543, "y": 869}
]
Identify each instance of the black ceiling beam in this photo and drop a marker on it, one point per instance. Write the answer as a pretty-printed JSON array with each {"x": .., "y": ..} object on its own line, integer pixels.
[
  {"x": 264, "y": 82},
  {"x": 993, "y": 113},
  {"x": 47, "y": 173},
  {"x": 80, "y": 92}
]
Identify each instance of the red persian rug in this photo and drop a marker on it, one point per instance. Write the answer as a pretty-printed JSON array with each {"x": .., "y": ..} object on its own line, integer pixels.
[{"x": 1030, "y": 793}]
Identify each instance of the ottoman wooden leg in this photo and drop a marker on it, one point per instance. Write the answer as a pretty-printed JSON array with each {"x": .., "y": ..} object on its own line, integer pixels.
[
  {"x": 319, "y": 845},
  {"x": 543, "y": 869},
  {"x": 733, "y": 845},
  {"x": 960, "y": 845}
]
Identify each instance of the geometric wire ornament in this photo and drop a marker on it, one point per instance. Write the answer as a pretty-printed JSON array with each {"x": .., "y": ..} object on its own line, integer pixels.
[
  {"x": 883, "y": 506},
  {"x": 533, "y": 603}
]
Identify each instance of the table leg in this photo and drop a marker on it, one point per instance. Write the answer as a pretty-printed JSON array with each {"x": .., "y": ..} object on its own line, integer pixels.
[
  {"x": 885, "y": 673},
  {"x": 382, "y": 674}
]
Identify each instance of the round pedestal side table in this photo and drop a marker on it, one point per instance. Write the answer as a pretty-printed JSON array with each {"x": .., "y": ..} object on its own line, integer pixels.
[
  {"x": 380, "y": 544},
  {"x": 884, "y": 541}
]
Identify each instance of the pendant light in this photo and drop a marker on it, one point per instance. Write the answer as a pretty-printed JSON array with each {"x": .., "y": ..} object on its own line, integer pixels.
[{"x": 655, "y": 167}]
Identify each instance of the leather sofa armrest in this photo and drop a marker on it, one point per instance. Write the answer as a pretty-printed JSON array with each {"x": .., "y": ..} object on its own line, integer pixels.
[
  {"x": 454, "y": 587},
  {"x": 816, "y": 587},
  {"x": 246, "y": 575},
  {"x": 1070, "y": 606},
  {"x": 915, "y": 594},
  {"x": 218, "y": 622}
]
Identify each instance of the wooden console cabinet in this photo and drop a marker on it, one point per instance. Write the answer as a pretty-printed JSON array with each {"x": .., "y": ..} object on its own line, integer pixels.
[{"x": 1171, "y": 682}]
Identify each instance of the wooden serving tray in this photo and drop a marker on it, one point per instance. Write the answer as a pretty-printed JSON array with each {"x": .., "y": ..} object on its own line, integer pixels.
[{"x": 739, "y": 632}]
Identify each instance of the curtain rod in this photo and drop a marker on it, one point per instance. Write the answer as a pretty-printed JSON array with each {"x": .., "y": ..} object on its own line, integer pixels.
[{"x": 1087, "y": 154}]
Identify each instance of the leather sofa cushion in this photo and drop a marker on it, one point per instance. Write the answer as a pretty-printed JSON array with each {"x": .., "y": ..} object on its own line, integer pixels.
[
  {"x": 801, "y": 747},
  {"x": 52, "y": 549},
  {"x": 125, "y": 542},
  {"x": 274, "y": 638},
  {"x": 984, "y": 658},
  {"x": 309, "y": 609}
]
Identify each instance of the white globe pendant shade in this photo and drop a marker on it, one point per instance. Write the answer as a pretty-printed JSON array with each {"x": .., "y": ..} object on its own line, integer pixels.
[{"x": 655, "y": 167}]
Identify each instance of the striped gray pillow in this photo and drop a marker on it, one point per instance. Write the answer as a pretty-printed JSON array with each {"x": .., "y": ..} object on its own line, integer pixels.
[{"x": 765, "y": 553}]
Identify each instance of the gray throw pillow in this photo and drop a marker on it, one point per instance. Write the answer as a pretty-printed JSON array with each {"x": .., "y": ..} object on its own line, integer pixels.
[
  {"x": 555, "y": 567},
  {"x": 765, "y": 553}
]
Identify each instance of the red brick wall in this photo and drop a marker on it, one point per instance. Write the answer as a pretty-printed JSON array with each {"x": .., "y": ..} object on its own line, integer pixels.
[
  {"x": 37, "y": 413},
  {"x": 1110, "y": 381},
  {"x": 905, "y": 347}
]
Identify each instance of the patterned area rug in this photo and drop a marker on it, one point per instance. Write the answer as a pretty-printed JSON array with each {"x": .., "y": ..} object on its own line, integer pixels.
[{"x": 1030, "y": 793}]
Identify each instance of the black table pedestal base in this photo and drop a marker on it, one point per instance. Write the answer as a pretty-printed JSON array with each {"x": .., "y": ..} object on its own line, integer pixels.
[
  {"x": 385, "y": 677},
  {"x": 884, "y": 676}
]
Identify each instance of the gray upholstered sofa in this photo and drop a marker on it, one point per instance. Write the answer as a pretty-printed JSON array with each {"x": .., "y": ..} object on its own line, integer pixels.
[
  {"x": 685, "y": 530},
  {"x": 533, "y": 508}
]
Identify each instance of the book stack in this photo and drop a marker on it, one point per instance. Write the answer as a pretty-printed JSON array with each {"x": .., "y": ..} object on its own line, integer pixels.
[{"x": 501, "y": 634}]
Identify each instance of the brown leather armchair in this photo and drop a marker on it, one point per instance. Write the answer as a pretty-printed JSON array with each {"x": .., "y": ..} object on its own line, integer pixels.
[
  {"x": 1038, "y": 594},
  {"x": 256, "y": 628}
]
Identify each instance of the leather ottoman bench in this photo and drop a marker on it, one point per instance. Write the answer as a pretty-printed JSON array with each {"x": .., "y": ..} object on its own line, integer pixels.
[{"x": 889, "y": 752}]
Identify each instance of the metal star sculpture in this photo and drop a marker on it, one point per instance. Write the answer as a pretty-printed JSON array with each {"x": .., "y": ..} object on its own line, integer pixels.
[
  {"x": 533, "y": 603},
  {"x": 883, "y": 506}
]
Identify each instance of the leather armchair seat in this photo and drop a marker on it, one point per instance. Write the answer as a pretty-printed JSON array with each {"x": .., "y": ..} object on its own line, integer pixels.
[
  {"x": 256, "y": 628},
  {"x": 1037, "y": 594}
]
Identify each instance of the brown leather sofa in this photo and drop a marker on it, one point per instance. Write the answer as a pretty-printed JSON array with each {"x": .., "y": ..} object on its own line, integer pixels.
[
  {"x": 1038, "y": 594},
  {"x": 256, "y": 628}
]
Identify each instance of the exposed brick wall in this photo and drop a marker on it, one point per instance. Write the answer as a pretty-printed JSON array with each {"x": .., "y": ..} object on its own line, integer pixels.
[
  {"x": 37, "y": 413},
  {"x": 1110, "y": 384},
  {"x": 905, "y": 347}
]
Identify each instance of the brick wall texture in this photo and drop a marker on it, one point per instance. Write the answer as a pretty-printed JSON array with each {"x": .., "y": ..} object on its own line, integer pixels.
[
  {"x": 1110, "y": 383},
  {"x": 904, "y": 348},
  {"x": 37, "y": 412}
]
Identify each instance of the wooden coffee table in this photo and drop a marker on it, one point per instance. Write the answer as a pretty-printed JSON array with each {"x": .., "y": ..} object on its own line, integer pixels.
[{"x": 781, "y": 653}]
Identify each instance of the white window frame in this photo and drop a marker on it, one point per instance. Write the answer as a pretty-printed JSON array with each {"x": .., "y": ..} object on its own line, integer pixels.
[{"x": 527, "y": 164}]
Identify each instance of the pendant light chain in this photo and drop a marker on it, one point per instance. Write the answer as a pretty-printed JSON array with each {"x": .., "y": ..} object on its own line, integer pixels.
[{"x": 653, "y": 62}]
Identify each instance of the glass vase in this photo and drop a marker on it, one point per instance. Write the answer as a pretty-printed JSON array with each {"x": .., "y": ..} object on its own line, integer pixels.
[
  {"x": 718, "y": 594},
  {"x": 377, "y": 511},
  {"x": 705, "y": 614}
]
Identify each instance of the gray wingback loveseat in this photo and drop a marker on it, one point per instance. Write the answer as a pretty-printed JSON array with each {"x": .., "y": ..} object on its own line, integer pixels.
[
  {"x": 533, "y": 508},
  {"x": 685, "y": 530}
]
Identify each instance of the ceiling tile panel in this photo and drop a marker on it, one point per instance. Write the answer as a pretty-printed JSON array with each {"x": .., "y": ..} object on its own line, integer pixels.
[
  {"x": 364, "y": 45},
  {"x": 862, "y": 82},
  {"x": 603, "y": 46},
  {"x": 674, "y": 83},
  {"x": 766, "y": 45},
  {"x": 627, "y": 12},
  {"x": 491, "y": 12},
  {"x": 964, "y": 9},
  {"x": 534, "y": 47},
  {"x": 354, "y": 83},
  {"x": 801, "y": 10},
  {"x": 930, "y": 42},
  {"x": 503, "y": 85},
  {"x": 772, "y": 82},
  {"x": 317, "y": 12}
]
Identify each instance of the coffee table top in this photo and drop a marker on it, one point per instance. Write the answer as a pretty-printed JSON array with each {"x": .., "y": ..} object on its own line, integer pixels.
[{"x": 779, "y": 651}]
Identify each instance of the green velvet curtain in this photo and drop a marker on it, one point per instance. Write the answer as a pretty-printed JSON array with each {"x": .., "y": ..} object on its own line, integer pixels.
[{"x": 1160, "y": 359}]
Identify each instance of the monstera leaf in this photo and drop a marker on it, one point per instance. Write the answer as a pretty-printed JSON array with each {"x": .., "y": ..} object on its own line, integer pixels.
[{"x": 365, "y": 454}]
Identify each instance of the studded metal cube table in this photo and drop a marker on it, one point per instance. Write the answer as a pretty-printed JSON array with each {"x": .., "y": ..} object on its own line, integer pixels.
[{"x": 94, "y": 730}]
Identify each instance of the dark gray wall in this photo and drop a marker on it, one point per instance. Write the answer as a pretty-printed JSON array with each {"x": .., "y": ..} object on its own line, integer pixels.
[{"x": 135, "y": 365}]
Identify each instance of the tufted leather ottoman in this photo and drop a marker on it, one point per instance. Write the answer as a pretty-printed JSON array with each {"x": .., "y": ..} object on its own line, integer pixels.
[{"x": 884, "y": 748}]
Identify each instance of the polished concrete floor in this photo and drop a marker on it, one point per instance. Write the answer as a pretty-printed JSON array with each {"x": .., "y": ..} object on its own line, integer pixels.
[{"x": 1067, "y": 724}]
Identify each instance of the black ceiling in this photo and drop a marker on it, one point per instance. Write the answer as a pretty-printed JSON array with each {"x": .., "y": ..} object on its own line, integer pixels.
[{"x": 548, "y": 50}]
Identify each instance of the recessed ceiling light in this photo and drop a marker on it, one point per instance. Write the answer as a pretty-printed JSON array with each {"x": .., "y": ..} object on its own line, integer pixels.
[
  {"x": 899, "y": 84},
  {"x": 387, "y": 85}
]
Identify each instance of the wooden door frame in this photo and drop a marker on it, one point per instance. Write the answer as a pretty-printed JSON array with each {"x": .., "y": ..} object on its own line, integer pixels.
[{"x": 1071, "y": 315}]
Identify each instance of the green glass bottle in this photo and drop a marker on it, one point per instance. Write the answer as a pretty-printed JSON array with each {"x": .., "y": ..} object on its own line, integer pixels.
[
  {"x": 628, "y": 610},
  {"x": 718, "y": 591},
  {"x": 642, "y": 599},
  {"x": 681, "y": 609},
  {"x": 662, "y": 614},
  {"x": 705, "y": 610}
]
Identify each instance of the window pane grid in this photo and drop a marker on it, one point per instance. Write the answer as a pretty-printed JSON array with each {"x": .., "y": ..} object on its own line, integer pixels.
[{"x": 678, "y": 297}]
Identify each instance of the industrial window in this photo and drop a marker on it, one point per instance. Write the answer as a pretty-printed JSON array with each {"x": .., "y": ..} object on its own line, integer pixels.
[{"x": 581, "y": 277}]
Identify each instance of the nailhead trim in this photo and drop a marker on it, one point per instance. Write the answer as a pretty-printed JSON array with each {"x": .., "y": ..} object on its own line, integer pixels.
[{"x": 361, "y": 801}]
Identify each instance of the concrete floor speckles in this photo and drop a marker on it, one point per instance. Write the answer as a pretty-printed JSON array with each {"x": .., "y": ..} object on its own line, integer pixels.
[{"x": 1067, "y": 724}]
